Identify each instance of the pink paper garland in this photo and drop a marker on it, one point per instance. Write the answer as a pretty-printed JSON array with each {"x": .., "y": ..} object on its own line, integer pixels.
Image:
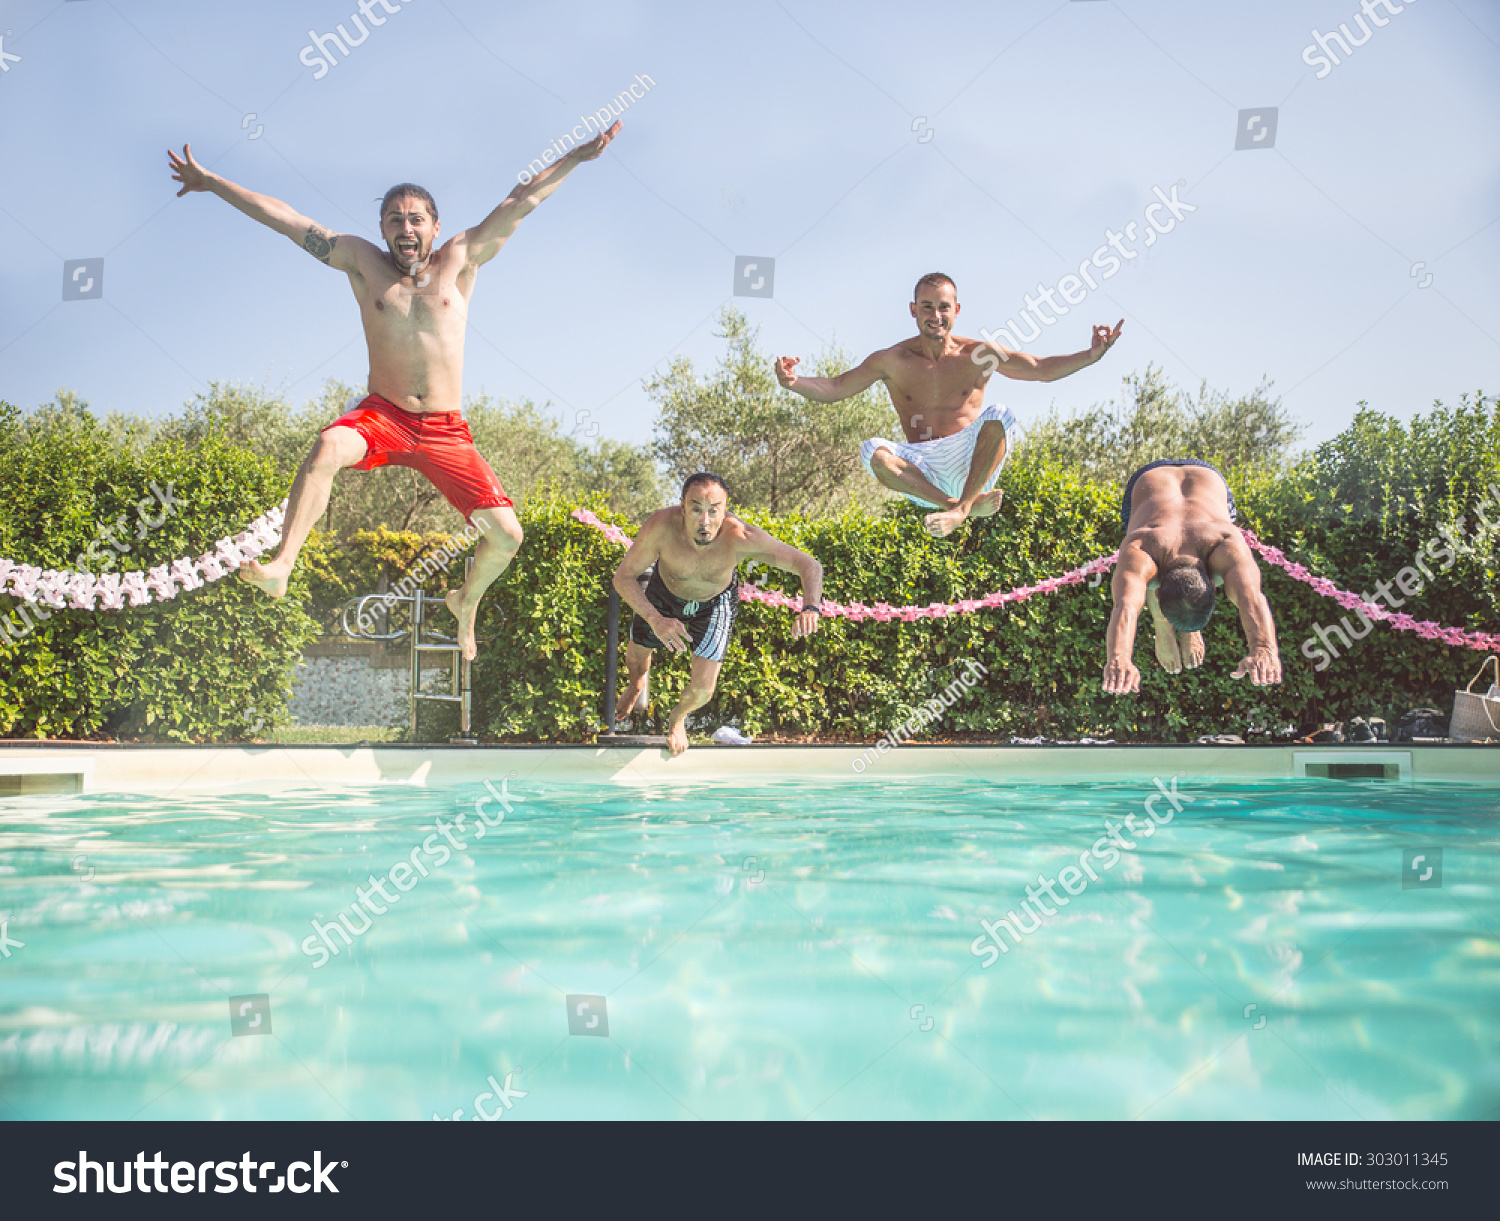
[
  {"x": 882, "y": 613},
  {"x": 1485, "y": 642}
]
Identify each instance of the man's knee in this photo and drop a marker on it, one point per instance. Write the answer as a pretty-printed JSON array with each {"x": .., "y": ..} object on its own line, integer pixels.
[
  {"x": 702, "y": 687},
  {"x": 502, "y": 529},
  {"x": 335, "y": 449},
  {"x": 882, "y": 459},
  {"x": 993, "y": 418}
]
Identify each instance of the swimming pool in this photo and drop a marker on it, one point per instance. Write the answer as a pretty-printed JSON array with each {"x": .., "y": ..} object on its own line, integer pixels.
[{"x": 714, "y": 950}]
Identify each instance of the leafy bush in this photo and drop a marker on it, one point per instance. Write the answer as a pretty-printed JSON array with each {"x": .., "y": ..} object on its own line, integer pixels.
[
  {"x": 209, "y": 665},
  {"x": 1357, "y": 511}
]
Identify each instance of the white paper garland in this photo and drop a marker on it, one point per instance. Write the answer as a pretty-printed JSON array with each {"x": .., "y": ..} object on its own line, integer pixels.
[{"x": 114, "y": 590}]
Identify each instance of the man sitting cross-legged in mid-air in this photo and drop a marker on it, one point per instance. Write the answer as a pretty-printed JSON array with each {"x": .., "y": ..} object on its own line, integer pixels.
[
  {"x": 1181, "y": 541},
  {"x": 955, "y": 445},
  {"x": 693, "y": 595},
  {"x": 414, "y": 303}
]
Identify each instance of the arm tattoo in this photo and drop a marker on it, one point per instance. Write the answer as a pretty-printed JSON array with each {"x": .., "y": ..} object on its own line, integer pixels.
[{"x": 320, "y": 243}]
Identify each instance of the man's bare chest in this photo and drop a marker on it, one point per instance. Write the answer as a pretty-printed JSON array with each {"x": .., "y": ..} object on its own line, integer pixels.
[
  {"x": 694, "y": 566},
  {"x": 431, "y": 308},
  {"x": 916, "y": 382}
]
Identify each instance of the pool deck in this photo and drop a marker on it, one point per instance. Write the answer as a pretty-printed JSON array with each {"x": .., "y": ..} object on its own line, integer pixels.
[{"x": 60, "y": 767}]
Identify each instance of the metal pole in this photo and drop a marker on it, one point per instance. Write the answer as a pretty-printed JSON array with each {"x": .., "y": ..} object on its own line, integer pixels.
[
  {"x": 465, "y": 686},
  {"x": 416, "y": 656},
  {"x": 611, "y": 658}
]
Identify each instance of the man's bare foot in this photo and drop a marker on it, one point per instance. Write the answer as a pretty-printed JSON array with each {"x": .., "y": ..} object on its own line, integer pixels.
[
  {"x": 268, "y": 578},
  {"x": 677, "y": 738},
  {"x": 1190, "y": 644},
  {"x": 1166, "y": 649},
  {"x": 464, "y": 613},
  {"x": 987, "y": 505},
  {"x": 945, "y": 522}
]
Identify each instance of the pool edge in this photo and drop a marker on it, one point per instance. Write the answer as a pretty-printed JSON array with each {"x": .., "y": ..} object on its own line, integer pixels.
[{"x": 272, "y": 768}]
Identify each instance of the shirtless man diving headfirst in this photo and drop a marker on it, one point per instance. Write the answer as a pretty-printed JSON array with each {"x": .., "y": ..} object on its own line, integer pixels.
[
  {"x": 693, "y": 596},
  {"x": 955, "y": 445},
  {"x": 414, "y": 302},
  {"x": 1181, "y": 541}
]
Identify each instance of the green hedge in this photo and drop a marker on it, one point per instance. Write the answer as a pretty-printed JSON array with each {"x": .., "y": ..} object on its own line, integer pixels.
[
  {"x": 1355, "y": 511},
  {"x": 211, "y": 664}
]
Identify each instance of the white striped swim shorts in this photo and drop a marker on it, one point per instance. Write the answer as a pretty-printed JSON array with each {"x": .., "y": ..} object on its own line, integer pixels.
[{"x": 945, "y": 460}]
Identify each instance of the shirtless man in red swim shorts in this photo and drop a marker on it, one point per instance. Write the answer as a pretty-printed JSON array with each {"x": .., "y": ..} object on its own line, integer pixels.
[{"x": 414, "y": 303}]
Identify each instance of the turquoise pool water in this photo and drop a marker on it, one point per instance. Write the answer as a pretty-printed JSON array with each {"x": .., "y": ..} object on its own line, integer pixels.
[{"x": 784, "y": 952}]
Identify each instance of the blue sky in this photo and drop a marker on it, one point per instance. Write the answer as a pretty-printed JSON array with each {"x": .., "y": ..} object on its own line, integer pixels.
[{"x": 857, "y": 145}]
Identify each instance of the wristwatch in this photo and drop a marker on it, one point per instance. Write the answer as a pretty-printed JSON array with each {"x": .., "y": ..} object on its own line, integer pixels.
[{"x": 814, "y": 607}]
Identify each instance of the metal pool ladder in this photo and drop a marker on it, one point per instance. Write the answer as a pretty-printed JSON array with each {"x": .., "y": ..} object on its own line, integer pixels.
[{"x": 460, "y": 685}]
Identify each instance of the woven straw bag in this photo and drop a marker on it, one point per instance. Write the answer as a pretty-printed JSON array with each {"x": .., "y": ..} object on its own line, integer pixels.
[{"x": 1476, "y": 718}]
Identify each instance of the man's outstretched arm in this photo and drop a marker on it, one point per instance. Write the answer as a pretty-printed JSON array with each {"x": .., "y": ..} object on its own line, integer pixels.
[
  {"x": 1024, "y": 367},
  {"x": 323, "y": 244},
  {"x": 1128, "y": 587},
  {"x": 768, "y": 549},
  {"x": 484, "y": 240},
  {"x": 1262, "y": 661},
  {"x": 829, "y": 389}
]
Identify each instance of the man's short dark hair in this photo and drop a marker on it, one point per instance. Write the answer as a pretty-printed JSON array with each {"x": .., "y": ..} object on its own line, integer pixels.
[
  {"x": 934, "y": 279},
  {"x": 693, "y": 481},
  {"x": 1186, "y": 596},
  {"x": 402, "y": 189}
]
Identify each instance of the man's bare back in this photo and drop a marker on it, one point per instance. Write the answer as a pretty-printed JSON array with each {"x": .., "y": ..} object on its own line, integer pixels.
[
  {"x": 1177, "y": 510},
  {"x": 1180, "y": 518}
]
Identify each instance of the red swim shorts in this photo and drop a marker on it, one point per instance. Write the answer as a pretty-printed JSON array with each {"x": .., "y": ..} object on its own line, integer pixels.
[{"x": 436, "y": 443}]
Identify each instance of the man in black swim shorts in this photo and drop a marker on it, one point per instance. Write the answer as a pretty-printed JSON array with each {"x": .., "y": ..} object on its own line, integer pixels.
[{"x": 692, "y": 598}]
